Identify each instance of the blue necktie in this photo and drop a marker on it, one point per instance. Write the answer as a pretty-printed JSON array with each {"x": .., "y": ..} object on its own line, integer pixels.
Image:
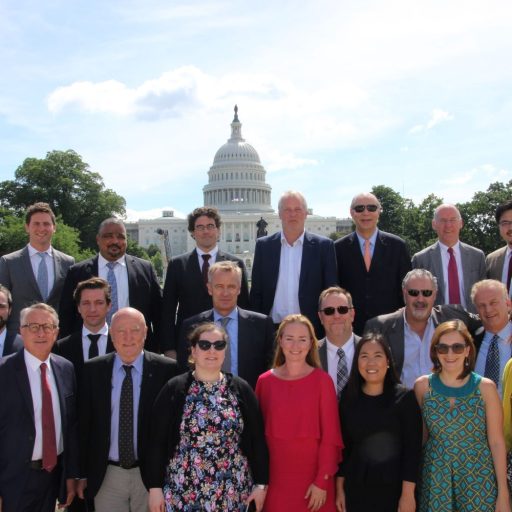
[
  {"x": 492, "y": 363},
  {"x": 111, "y": 278},
  {"x": 42, "y": 276}
]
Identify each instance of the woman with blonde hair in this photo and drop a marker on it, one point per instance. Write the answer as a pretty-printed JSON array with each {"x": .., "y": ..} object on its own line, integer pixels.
[{"x": 299, "y": 407}]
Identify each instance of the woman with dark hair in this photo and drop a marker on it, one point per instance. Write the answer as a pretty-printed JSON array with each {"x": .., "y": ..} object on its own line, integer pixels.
[
  {"x": 208, "y": 448},
  {"x": 381, "y": 424},
  {"x": 298, "y": 402},
  {"x": 464, "y": 466}
]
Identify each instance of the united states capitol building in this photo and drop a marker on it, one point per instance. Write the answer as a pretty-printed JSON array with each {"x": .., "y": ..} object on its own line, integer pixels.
[{"x": 237, "y": 187}]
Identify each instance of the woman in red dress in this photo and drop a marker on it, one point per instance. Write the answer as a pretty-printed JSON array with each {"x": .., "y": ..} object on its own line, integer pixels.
[{"x": 302, "y": 428}]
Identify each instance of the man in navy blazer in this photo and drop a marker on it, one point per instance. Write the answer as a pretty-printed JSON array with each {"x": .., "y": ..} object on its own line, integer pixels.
[
  {"x": 136, "y": 281},
  {"x": 10, "y": 341},
  {"x": 371, "y": 263},
  {"x": 36, "y": 468},
  {"x": 292, "y": 267}
]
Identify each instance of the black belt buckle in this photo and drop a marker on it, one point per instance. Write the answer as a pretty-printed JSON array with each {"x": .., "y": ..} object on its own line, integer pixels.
[{"x": 118, "y": 464}]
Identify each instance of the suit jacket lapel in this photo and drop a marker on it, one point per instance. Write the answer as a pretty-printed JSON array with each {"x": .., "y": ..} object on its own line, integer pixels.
[
  {"x": 57, "y": 373},
  {"x": 307, "y": 255},
  {"x": 193, "y": 271},
  {"x": 23, "y": 383},
  {"x": 58, "y": 272},
  {"x": 322, "y": 352},
  {"x": 274, "y": 257},
  {"x": 465, "y": 258},
  {"x": 357, "y": 255},
  {"x": 29, "y": 273},
  {"x": 437, "y": 270}
]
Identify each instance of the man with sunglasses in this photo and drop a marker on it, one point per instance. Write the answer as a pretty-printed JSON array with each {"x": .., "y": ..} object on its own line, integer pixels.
[
  {"x": 409, "y": 330},
  {"x": 336, "y": 350},
  {"x": 456, "y": 265},
  {"x": 251, "y": 335},
  {"x": 371, "y": 263}
]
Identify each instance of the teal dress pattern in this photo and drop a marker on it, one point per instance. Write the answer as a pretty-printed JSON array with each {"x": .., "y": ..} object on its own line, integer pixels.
[
  {"x": 208, "y": 471},
  {"x": 458, "y": 470}
]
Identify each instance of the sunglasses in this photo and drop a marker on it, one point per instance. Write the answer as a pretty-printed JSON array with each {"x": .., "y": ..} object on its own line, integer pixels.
[
  {"x": 456, "y": 348},
  {"x": 207, "y": 345},
  {"x": 414, "y": 293},
  {"x": 342, "y": 310},
  {"x": 359, "y": 208}
]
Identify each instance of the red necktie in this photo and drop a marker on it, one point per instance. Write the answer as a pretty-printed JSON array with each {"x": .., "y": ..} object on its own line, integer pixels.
[
  {"x": 509, "y": 274},
  {"x": 206, "y": 267},
  {"x": 453, "y": 280},
  {"x": 48, "y": 424}
]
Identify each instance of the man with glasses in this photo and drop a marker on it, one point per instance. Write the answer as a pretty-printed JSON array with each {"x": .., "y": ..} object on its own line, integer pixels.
[
  {"x": 499, "y": 263},
  {"x": 409, "y": 330},
  {"x": 371, "y": 263},
  {"x": 336, "y": 350},
  {"x": 456, "y": 265},
  {"x": 185, "y": 290},
  {"x": 10, "y": 341}
]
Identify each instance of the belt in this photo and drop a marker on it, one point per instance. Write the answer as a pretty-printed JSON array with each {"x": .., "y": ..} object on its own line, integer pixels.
[
  {"x": 38, "y": 464},
  {"x": 118, "y": 464}
]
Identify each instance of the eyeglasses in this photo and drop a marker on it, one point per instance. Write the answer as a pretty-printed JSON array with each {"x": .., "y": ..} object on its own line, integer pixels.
[
  {"x": 47, "y": 328},
  {"x": 359, "y": 208},
  {"x": 202, "y": 227},
  {"x": 456, "y": 348},
  {"x": 414, "y": 293},
  {"x": 342, "y": 310},
  {"x": 207, "y": 345},
  {"x": 505, "y": 223}
]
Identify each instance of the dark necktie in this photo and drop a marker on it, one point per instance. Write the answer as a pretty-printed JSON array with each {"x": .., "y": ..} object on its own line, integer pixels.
[
  {"x": 111, "y": 278},
  {"x": 47, "y": 423},
  {"x": 453, "y": 279},
  {"x": 205, "y": 267},
  {"x": 93, "y": 348},
  {"x": 226, "y": 365},
  {"x": 492, "y": 363},
  {"x": 42, "y": 276},
  {"x": 126, "y": 451},
  {"x": 509, "y": 273},
  {"x": 341, "y": 371}
]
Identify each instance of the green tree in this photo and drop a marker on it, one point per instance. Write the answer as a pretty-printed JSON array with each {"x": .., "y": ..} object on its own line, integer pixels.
[
  {"x": 135, "y": 249},
  {"x": 393, "y": 209},
  {"x": 75, "y": 193},
  {"x": 152, "y": 250},
  {"x": 158, "y": 264}
]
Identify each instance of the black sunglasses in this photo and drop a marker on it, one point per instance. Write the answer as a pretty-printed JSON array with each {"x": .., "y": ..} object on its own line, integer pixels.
[
  {"x": 414, "y": 293},
  {"x": 207, "y": 345},
  {"x": 342, "y": 310},
  {"x": 456, "y": 348},
  {"x": 359, "y": 208}
]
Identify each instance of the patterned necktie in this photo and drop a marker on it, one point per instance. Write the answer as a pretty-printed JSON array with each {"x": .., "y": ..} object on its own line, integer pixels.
[
  {"x": 367, "y": 254},
  {"x": 47, "y": 423},
  {"x": 509, "y": 273},
  {"x": 453, "y": 279},
  {"x": 42, "y": 276},
  {"x": 205, "y": 267},
  {"x": 93, "y": 347},
  {"x": 341, "y": 371},
  {"x": 126, "y": 451},
  {"x": 226, "y": 365},
  {"x": 492, "y": 363},
  {"x": 111, "y": 278}
]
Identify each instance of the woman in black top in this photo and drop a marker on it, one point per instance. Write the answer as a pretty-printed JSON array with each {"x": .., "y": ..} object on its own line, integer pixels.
[{"x": 382, "y": 431}]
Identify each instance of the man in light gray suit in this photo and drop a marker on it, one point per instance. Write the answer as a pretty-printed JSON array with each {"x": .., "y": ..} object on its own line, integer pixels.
[
  {"x": 457, "y": 266},
  {"x": 35, "y": 273},
  {"x": 498, "y": 263},
  {"x": 336, "y": 350},
  {"x": 409, "y": 330}
]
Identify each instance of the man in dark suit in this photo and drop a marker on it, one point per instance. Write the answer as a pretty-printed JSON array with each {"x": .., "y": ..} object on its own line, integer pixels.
[
  {"x": 93, "y": 301},
  {"x": 116, "y": 397},
  {"x": 38, "y": 425},
  {"x": 456, "y": 265},
  {"x": 371, "y": 263},
  {"x": 35, "y": 273},
  {"x": 499, "y": 263},
  {"x": 185, "y": 289},
  {"x": 292, "y": 267},
  {"x": 250, "y": 334},
  {"x": 10, "y": 341},
  {"x": 336, "y": 350},
  {"x": 132, "y": 280},
  {"x": 409, "y": 330}
]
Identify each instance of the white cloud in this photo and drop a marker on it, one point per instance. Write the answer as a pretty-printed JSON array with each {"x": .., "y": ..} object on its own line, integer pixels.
[{"x": 437, "y": 117}]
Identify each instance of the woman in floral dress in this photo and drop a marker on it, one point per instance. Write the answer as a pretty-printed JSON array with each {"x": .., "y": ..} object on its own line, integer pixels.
[{"x": 208, "y": 450}]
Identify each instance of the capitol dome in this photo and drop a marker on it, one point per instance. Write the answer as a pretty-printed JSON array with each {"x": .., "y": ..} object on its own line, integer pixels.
[{"x": 236, "y": 180}]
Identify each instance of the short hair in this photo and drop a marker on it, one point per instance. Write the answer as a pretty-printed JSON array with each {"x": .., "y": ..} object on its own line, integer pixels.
[
  {"x": 7, "y": 293},
  {"x": 39, "y": 306},
  {"x": 445, "y": 328},
  {"x": 502, "y": 208},
  {"x": 110, "y": 220},
  {"x": 39, "y": 208},
  {"x": 312, "y": 357},
  {"x": 292, "y": 193},
  {"x": 94, "y": 283},
  {"x": 488, "y": 283},
  {"x": 203, "y": 211},
  {"x": 353, "y": 202},
  {"x": 446, "y": 205},
  {"x": 419, "y": 273},
  {"x": 334, "y": 290},
  {"x": 225, "y": 266}
]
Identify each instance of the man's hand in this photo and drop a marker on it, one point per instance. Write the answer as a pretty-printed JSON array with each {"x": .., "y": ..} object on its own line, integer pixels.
[
  {"x": 71, "y": 491},
  {"x": 81, "y": 485}
]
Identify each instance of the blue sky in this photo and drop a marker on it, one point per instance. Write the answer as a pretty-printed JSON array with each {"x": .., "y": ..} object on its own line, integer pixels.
[{"x": 336, "y": 96}]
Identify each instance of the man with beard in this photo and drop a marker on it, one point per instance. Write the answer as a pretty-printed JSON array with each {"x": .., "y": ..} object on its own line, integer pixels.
[
  {"x": 409, "y": 330},
  {"x": 10, "y": 341}
]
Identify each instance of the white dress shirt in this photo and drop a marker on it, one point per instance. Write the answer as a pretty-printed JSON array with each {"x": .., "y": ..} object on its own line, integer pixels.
[
  {"x": 445, "y": 259},
  {"x": 102, "y": 341},
  {"x": 212, "y": 253},
  {"x": 121, "y": 273}
]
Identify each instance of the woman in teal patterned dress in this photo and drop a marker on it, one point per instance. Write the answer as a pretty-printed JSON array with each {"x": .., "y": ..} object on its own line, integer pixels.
[{"x": 464, "y": 466}]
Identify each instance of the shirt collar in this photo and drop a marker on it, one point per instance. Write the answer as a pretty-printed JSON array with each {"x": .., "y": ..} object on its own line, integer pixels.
[
  {"x": 331, "y": 347},
  {"x": 33, "y": 250},
  {"x": 103, "y": 330},
  {"x": 445, "y": 248},
  {"x": 212, "y": 253},
  {"x": 33, "y": 362},
  {"x": 504, "y": 334},
  {"x": 372, "y": 239},
  {"x": 137, "y": 364},
  {"x": 299, "y": 240},
  {"x": 233, "y": 315},
  {"x": 102, "y": 262}
]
